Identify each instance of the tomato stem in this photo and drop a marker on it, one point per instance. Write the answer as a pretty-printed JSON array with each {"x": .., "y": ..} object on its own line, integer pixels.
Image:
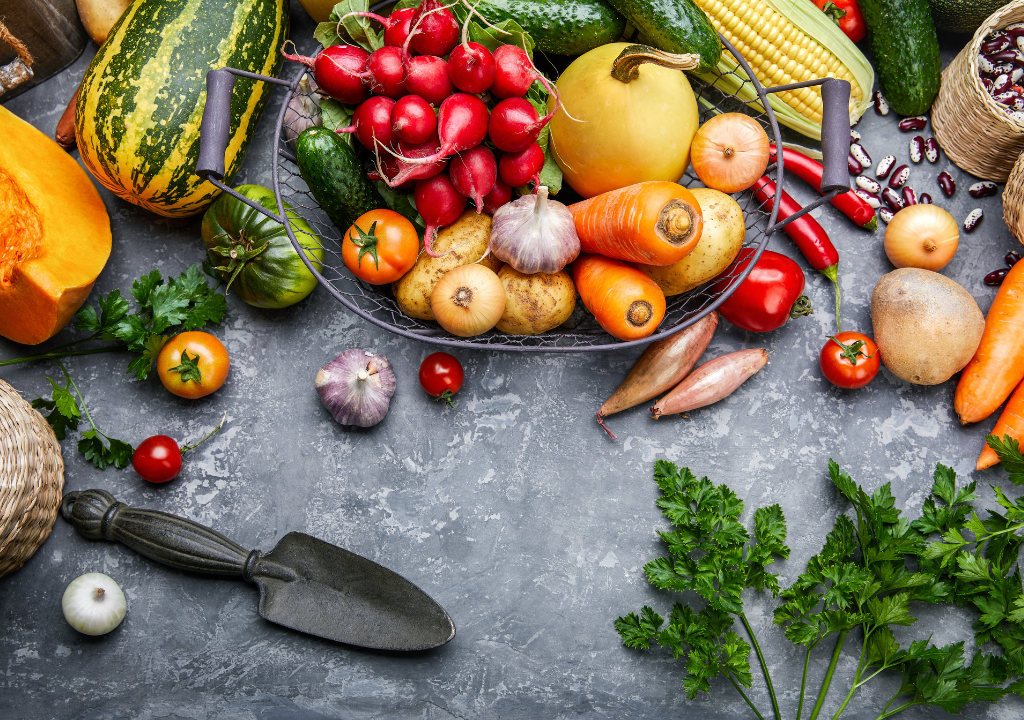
[
  {"x": 447, "y": 396},
  {"x": 801, "y": 307},
  {"x": 185, "y": 448}
]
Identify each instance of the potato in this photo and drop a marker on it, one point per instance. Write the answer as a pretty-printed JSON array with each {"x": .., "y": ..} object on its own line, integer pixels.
[
  {"x": 719, "y": 244},
  {"x": 535, "y": 303},
  {"x": 98, "y": 16},
  {"x": 927, "y": 327},
  {"x": 466, "y": 238}
]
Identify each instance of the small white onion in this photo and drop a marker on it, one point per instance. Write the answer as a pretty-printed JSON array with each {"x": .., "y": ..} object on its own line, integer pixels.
[
  {"x": 94, "y": 604},
  {"x": 534, "y": 234}
]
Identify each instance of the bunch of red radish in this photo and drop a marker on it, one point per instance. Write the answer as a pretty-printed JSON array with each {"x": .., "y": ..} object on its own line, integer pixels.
[{"x": 395, "y": 90}]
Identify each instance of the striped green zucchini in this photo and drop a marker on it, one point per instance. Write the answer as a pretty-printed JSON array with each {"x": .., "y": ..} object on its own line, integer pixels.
[{"x": 138, "y": 113}]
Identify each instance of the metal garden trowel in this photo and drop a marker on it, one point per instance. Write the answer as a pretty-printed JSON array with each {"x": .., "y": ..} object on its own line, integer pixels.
[{"x": 305, "y": 584}]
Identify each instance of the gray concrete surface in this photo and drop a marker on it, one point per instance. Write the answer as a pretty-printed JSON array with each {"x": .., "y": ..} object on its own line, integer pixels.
[{"x": 514, "y": 510}]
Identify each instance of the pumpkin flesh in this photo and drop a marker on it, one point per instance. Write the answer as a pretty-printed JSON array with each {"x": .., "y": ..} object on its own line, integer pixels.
[{"x": 54, "y": 234}]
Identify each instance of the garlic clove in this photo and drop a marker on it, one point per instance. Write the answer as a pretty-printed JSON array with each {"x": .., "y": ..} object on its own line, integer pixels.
[{"x": 93, "y": 604}]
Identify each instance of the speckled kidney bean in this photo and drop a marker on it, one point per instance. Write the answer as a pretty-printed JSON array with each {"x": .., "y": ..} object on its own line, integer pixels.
[
  {"x": 1002, "y": 68},
  {"x": 996, "y": 277},
  {"x": 882, "y": 105},
  {"x": 1005, "y": 98},
  {"x": 986, "y": 83},
  {"x": 1004, "y": 56},
  {"x": 947, "y": 183},
  {"x": 886, "y": 214},
  {"x": 899, "y": 176},
  {"x": 995, "y": 45},
  {"x": 973, "y": 219},
  {"x": 1001, "y": 83},
  {"x": 909, "y": 196},
  {"x": 869, "y": 184},
  {"x": 854, "y": 136},
  {"x": 917, "y": 122},
  {"x": 982, "y": 189},
  {"x": 916, "y": 149},
  {"x": 984, "y": 64},
  {"x": 1011, "y": 258},
  {"x": 931, "y": 150},
  {"x": 894, "y": 201},
  {"x": 1016, "y": 75},
  {"x": 885, "y": 166},
  {"x": 924, "y": 199},
  {"x": 853, "y": 165},
  {"x": 870, "y": 198},
  {"x": 858, "y": 151}
]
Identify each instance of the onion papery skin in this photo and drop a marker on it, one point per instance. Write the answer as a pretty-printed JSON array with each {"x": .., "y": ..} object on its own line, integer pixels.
[
  {"x": 356, "y": 387},
  {"x": 534, "y": 234},
  {"x": 922, "y": 236},
  {"x": 91, "y": 612},
  {"x": 730, "y": 152},
  {"x": 469, "y": 300}
]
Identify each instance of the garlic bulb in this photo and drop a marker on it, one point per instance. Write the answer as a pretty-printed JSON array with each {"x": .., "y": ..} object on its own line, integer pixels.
[
  {"x": 534, "y": 234},
  {"x": 303, "y": 111},
  {"x": 94, "y": 604},
  {"x": 356, "y": 387}
]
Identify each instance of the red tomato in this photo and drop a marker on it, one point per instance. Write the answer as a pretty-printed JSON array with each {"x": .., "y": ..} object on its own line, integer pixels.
[
  {"x": 441, "y": 375},
  {"x": 157, "y": 459},
  {"x": 770, "y": 294},
  {"x": 849, "y": 360}
]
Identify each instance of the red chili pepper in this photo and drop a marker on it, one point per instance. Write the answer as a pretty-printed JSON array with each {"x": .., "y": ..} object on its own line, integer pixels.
[
  {"x": 846, "y": 14},
  {"x": 809, "y": 170},
  {"x": 809, "y": 236}
]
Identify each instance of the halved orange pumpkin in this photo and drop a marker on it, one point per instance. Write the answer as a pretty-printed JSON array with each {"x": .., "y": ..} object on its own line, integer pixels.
[{"x": 54, "y": 233}]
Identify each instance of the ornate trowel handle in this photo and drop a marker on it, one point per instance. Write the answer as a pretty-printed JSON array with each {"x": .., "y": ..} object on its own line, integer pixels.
[{"x": 168, "y": 539}]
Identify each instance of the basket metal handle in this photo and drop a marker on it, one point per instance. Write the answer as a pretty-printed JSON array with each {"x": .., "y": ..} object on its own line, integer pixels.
[{"x": 215, "y": 130}]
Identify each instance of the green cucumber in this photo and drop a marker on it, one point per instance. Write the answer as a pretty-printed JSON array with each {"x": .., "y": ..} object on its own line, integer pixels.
[
  {"x": 562, "y": 27},
  {"x": 676, "y": 26},
  {"x": 906, "y": 51},
  {"x": 335, "y": 176},
  {"x": 963, "y": 16}
]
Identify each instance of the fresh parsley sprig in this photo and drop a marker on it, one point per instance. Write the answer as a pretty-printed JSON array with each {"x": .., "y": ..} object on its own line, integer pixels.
[
  {"x": 870, "y": 570},
  {"x": 163, "y": 308}
]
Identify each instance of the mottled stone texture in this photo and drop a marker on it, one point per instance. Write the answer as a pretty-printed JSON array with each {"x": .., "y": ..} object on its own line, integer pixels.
[{"x": 515, "y": 511}]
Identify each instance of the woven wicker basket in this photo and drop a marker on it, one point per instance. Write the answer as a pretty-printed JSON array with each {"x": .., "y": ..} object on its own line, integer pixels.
[
  {"x": 31, "y": 479},
  {"x": 972, "y": 128},
  {"x": 1013, "y": 200}
]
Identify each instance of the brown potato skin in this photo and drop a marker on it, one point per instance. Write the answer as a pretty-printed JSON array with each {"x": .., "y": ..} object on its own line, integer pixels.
[
  {"x": 535, "y": 303},
  {"x": 927, "y": 327},
  {"x": 719, "y": 244},
  {"x": 466, "y": 238}
]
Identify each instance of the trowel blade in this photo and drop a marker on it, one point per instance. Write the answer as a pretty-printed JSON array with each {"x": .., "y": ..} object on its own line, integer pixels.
[{"x": 310, "y": 585}]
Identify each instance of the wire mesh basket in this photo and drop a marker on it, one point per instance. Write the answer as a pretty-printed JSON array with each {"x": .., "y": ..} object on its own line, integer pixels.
[{"x": 376, "y": 304}]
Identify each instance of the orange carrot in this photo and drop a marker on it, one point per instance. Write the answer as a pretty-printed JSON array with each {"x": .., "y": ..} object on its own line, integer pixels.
[
  {"x": 998, "y": 365},
  {"x": 1011, "y": 423},
  {"x": 654, "y": 223},
  {"x": 627, "y": 303}
]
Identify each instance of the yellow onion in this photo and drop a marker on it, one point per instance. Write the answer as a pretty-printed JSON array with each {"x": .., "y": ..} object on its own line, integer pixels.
[
  {"x": 922, "y": 236},
  {"x": 730, "y": 152},
  {"x": 468, "y": 300}
]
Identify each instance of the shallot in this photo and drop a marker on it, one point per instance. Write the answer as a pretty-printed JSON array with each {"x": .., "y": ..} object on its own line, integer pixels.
[
  {"x": 356, "y": 387},
  {"x": 663, "y": 365},
  {"x": 712, "y": 381}
]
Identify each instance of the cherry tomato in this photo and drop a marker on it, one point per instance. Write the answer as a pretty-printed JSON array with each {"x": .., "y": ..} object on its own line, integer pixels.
[
  {"x": 380, "y": 247},
  {"x": 769, "y": 296},
  {"x": 193, "y": 364},
  {"x": 157, "y": 459},
  {"x": 849, "y": 360},
  {"x": 441, "y": 375}
]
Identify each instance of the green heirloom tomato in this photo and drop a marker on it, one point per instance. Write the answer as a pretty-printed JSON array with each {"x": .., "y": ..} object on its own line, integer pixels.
[{"x": 253, "y": 254}]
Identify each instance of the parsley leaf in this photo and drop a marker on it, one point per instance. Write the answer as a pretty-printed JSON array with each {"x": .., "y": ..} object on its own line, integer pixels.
[
  {"x": 1010, "y": 456},
  {"x": 118, "y": 453}
]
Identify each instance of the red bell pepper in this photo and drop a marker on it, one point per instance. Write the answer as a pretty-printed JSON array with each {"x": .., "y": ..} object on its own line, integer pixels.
[
  {"x": 769, "y": 296},
  {"x": 809, "y": 236},
  {"x": 846, "y": 14},
  {"x": 849, "y": 203}
]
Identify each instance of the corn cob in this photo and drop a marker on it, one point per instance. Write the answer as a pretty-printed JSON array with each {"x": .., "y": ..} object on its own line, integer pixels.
[{"x": 787, "y": 41}]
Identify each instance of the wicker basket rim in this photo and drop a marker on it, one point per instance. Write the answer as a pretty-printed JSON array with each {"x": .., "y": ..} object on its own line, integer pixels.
[{"x": 995, "y": 21}]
